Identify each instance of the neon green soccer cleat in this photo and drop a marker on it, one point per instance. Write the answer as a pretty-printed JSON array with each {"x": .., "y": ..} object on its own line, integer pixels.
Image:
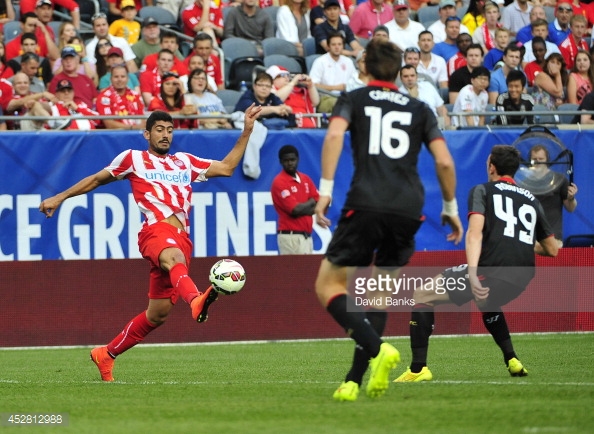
[
  {"x": 415, "y": 377},
  {"x": 347, "y": 391},
  {"x": 516, "y": 369},
  {"x": 381, "y": 365}
]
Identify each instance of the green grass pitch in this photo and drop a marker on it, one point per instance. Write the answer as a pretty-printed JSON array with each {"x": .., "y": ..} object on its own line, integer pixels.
[{"x": 286, "y": 387}]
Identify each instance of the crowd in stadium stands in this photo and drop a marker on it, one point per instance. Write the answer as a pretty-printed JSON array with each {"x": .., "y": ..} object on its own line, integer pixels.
[{"x": 461, "y": 56}]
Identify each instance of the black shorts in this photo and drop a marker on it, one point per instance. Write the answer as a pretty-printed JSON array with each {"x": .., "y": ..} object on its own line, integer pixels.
[
  {"x": 500, "y": 291},
  {"x": 361, "y": 234}
]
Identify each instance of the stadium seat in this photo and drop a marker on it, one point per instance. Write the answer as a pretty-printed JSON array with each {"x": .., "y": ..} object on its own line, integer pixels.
[
  {"x": 229, "y": 98},
  {"x": 163, "y": 16},
  {"x": 55, "y": 25},
  {"x": 566, "y": 119},
  {"x": 292, "y": 65},
  {"x": 586, "y": 240},
  {"x": 309, "y": 46},
  {"x": 238, "y": 47},
  {"x": 241, "y": 69},
  {"x": 543, "y": 119},
  {"x": 428, "y": 15},
  {"x": 11, "y": 30},
  {"x": 272, "y": 11},
  {"x": 278, "y": 46},
  {"x": 87, "y": 9},
  {"x": 309, "y": 60}
]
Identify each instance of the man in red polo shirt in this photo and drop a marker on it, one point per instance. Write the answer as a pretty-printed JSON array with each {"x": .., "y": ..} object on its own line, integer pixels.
[
  {"x": 294, "y": 196},
  {"x": 203, "y": 47},
  {"x": 203, "y": 16},
  {"x": 70, "y": 5},
  {"x": 44, "y": 34}
]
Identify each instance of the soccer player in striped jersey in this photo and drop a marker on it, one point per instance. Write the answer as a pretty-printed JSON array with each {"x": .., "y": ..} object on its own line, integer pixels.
[
  {"x": 161, "y": 185},
  {"x": 383, "y": 209}
]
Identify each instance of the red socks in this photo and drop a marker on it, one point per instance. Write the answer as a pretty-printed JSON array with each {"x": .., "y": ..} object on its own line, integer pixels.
[
  {"x": 134, "y": 332},
  {"x": 183, "y": 283}
]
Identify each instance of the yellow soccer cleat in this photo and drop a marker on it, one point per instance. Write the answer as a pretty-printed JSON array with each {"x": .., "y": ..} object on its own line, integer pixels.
[
  {"x": 381, "y": 365},
  {"x": 415, "y": 377},
  {"x": 347, "y": 391},
  {"x": 516, "y": 369}
]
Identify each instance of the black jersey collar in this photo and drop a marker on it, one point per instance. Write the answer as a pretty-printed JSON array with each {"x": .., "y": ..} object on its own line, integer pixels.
[{"x": 380, "y": 83}]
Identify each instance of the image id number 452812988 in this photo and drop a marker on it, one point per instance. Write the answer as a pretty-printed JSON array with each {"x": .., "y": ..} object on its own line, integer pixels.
[{"x": 39, "y": 419}]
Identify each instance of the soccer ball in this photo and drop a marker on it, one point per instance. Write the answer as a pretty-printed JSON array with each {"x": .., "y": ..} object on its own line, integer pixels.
[{"x": 227, "y": 276}]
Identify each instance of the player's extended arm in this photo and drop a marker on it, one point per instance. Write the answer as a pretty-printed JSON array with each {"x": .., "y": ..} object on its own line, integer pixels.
[
  {"x": 227, "y": 165},
  {"x": 331, "y": 150},
  {"x": 547, "y": 247},
  {"x": 446, "y": 175},
  {"x": 48, "y": 206},
  {"x": 474, "y": 240}
]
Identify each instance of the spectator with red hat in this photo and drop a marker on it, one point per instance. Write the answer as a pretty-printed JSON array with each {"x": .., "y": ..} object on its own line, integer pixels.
[
  {"x": 115, "y": 57},
  {"x": 298, "y": 92}
]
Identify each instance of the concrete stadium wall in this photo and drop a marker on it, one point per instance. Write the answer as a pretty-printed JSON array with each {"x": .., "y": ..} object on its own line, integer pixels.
[{"x": 89, "y": 302}]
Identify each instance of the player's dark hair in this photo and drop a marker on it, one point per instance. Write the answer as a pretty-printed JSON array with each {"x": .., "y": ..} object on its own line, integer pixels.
[
  {"x": 383, "y": 60},
  {"x": 156, "y": 116},
  {"x": 287, "y": 149},
  {"x": 515, "y": 75},
  {"x": 506, "y": 159}
]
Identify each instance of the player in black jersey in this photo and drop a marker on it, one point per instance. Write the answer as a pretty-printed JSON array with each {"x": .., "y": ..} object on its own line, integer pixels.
[
  {"x": 383, "y": 208},
  {"x": 504, "y": 223}
]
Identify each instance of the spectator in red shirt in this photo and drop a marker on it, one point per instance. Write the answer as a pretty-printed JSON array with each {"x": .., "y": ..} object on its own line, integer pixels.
[
  {"x": 119, "y": 100},
  {"x": 170, "y": 42},
  {"x": 65, "y": 106},
  {"x": 84, "y": 88},
  {"x": 150, "y": 80},
  {"x": 575, "y": 41},
  {"x": 203, "y": 16},
  {"x": 294, "y": 196},
  {"x": 44, "y": 34},
  {"x": 70, "y": 5},
  {"x": 203, "y": 47}
]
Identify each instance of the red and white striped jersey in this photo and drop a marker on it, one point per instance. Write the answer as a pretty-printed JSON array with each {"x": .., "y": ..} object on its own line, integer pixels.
[{"x": 161, "y": 185}]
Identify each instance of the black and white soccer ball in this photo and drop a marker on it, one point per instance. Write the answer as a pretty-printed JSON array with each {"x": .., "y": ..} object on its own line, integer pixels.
[{"x": 227, "y": 276}]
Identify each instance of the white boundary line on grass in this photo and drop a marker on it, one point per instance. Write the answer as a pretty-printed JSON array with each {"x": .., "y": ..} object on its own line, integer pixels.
[{"x": 289, "y": 341}]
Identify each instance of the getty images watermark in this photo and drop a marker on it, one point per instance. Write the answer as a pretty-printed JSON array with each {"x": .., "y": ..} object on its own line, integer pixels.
[{"x": 552, "y": 289}]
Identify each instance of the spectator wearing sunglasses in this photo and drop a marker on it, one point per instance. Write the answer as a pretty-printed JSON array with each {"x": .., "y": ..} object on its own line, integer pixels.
[
  {"x": 447, "y": 9},
  {"x": 101, "y": 31},
  {"x": 559, "y": 29}
]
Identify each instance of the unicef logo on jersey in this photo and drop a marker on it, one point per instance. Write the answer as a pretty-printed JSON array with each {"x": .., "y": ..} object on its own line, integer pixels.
[{"x": 181, "y": 178}]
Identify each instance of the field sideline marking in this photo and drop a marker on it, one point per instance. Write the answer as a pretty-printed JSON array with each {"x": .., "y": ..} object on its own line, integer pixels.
[{"x": 288, "y": 341}]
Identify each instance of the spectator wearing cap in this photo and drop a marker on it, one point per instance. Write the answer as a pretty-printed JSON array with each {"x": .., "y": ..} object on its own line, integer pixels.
[
  {"x": 448, "y": 47},
  {"x": 447, "y": 8},
  {"x": 86, "y": 67},
  {"x": 203, "y": 16},
  {"x": 368, "y": 16},
  {"x": 116, "y": 57},
  {"x": 249, "y": 22},
  {"x": 473, "y": 98},
  {"x": 85, "y": 90},
  {"x": 118, "y": 99},
  {"x": 126, "y": 27},
  {"x": 293, "y": 23},
  {"x": 516, "y": 15},
  {"x": 171, "y": 100},
  {"x": 25, "y": 102},
  {"x": 331, "y": 72},
  {"x": 404, "y": 32},
  {"x": 150, "y": 41},
  {"x": 101, "y": 31},
  {"x": 71, "y": 6},
  {"x": 44, "y": 37},
  {"x": 298, "y": 92},
  {"x": 169, "y": 41},
  {"x": 66, "y": 106},
  {"x": 29, "y": 47},
  {"x": 203, "y": 47},
  {"x": 334, "y": 25},
  {"x": 316, "y": 14},
  {"x": 150, "y": 80}
]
